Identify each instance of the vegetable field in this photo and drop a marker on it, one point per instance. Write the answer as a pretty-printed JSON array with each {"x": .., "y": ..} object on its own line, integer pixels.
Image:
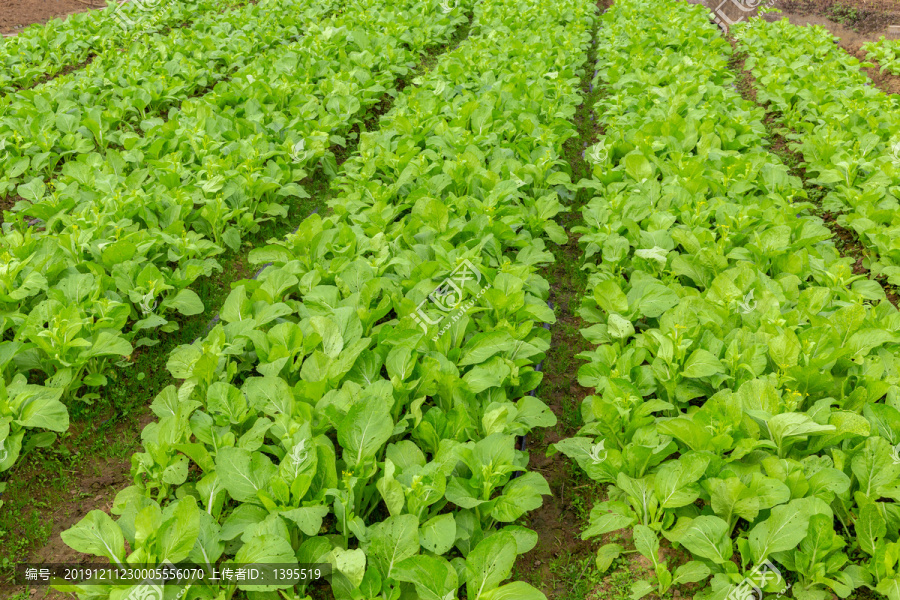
[{"x": 408, "y": 297}]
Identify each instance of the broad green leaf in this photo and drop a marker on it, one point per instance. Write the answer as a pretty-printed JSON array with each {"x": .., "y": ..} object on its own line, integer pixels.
[
  {"x": 179, "y": 531},
  {"x": 352, "y": 563},
  {"x": 520, "y": 495},
  {"x": 870, "y": 526},
  {"x": 187, "y": 302},
  {"x": 702, "y": 363},
  {"x": 619, "y": 327},
  {"x": 263, "y": 551},
  {"x": 708, "y": 537},
  {"x": 489, "y": 563},
  {"x": 307, "y": 518},
  {"x": 43, "y": 409},
  {"x": 483, "y": 346},
  {"x": 607, "y": 554},
  {"x": 783, "y": 530},
  {"x": 328, "y": 330},
  {"x": 691, "y": 572},
  {"x": 98, "y": 535},
  {"x": 646, "y": 542},
  {"x": 433, "y": 576},
  {"x": 609, "y": 297},
  {"x": 641, "y": 588},
  {"x": 638, "y": 167},
  {"x": 366, "y": 428},
  {"x": 438, "y": 534},
  {"x": 890, "y": 587},
  {"x": 517, "y": 590},
  {"x": 108, "y": 344},
  {"x": 392, "y": 541},
  {"x": 244, "y": 473}
]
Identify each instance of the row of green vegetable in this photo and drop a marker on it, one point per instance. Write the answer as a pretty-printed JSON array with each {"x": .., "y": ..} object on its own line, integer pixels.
[
  {"x": 886, "y": 53},
  {"x": 745, "y": 403},
  {"x": 121, "y": 94},
  {"x": 123, "y": 239},
  {"x": 44, "y": 50},
  {"x": 846, "y": 129},
  {"x": 359, "y": 403}
]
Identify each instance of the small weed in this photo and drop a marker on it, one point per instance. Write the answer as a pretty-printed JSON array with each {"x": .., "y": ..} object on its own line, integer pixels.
[
  {"x": 845, "y": 15},
  {"x": 577, "y": 575}
]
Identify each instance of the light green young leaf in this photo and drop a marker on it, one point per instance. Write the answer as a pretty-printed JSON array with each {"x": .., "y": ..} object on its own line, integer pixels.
[
  {"x": 638, "y": 167},
  {"x": 307, "y": 518},
  {"x": 607, "y": 554},
  {"x": 108, "y": 344},
  {"x": 521, "y": 495},
  {"x": 244, "y": 473},
  {"x": 43, "y": 409},
  {"x": 483, "y": 346}
]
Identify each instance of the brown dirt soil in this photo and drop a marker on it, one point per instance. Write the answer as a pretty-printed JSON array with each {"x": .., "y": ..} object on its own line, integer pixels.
[
  {"x": 863, "y": 16},
  {"x": 93, "y": 485},
  {"x": 558, "y": 522},
  {"x": 17, "y": 14},
  {"x": 6, "y": 204}
]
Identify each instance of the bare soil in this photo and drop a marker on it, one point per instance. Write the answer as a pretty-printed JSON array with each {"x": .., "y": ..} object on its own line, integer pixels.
[
  {"x": 18, "y": 14},
  {"x": 866, "y": 17}
]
